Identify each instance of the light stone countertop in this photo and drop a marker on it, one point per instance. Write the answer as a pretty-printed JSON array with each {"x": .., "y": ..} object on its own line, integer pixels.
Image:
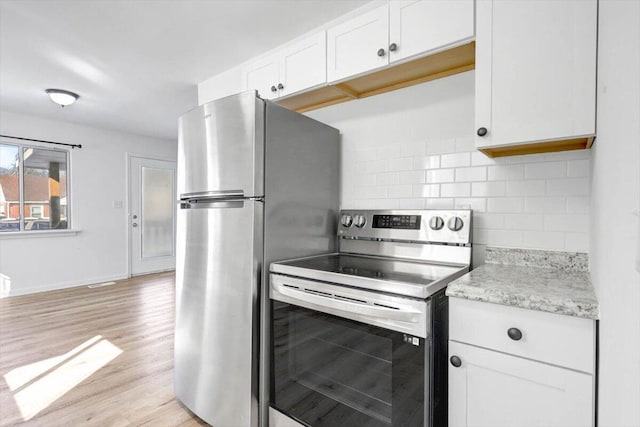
[{"x": 558, "y": 283}]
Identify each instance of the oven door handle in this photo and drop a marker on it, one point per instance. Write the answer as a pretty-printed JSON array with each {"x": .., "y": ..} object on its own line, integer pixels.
[{"x": 335, "y": 306}]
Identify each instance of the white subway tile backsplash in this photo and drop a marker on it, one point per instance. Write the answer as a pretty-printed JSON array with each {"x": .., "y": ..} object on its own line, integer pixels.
[
  {"x": 465, "y": 144},
  {"x": 399, "y": 191},
  {"x": 365, "y": 180},
  {"x": 533, "y": 201},
  {"x": 413, "y": 149},
  {"x": 526, "y": 188},
  {"x": 439, "y": 203},
  {"x": 388, "y": 178},
  {"x": 568, "y": 187},
  {"x": 488, "y": 189},
  {"x": 505, "y": 204},
  {"x": 570, "y": 222},
  {"x": 568, "y": 155},
  {"x": 545, "y": 170},
  {"x": 505, "y": 172},
  {"x": 411, "y": 177},
  {"x": 543, "y": 239},
  {"x": 578, "y": 168},
  {"x": 455, "y": 160},
  {"x": 578, "y": 204},
  {"x": 440, "y": 175},
  {"x": 427, "y": 162},
  {"x": 417, "y": 203},
  {"x": 429, "y": 190},
  {"x": 488, "y": 220},
  {"x": 400, "y": 164},
  {"x": 544, "y": 204},
  {"x": 441, "y": 146},
  {"x": 523, "y": 222},
  {"x": 455, "y": 190},
  {"x": 478, "y": 204},
  {"x": 578, "y": 242},
  {"x": 478, "y": 173},
  {"x": 375, "y": 166}
]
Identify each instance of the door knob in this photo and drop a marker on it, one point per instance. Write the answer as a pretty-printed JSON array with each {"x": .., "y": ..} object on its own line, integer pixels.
[
  {"x": 482, "y": 131},
  {"x": 380, "y": 52},
  {"x": 393, "y": 47},
  {"x": 455, "y": 361},
  {"x": 280, "y": 86},
  {"x": 515, "y": 334},
  {"x": 274, "y": 89},
  {"x": 135, "y": 216},
  {"x": 134, "y": 224}
]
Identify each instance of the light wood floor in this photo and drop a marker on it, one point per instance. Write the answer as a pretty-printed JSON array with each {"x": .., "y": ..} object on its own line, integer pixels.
[{"x": 91, "y": 357}]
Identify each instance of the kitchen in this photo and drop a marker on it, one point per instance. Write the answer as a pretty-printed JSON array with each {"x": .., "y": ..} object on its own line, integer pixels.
[{"x": 414, "y": 148}]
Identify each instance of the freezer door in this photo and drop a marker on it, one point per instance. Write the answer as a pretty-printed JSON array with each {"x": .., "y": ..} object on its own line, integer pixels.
[
  {"x": 221, "y": 147},
  {"x": 219, "y": 257}
]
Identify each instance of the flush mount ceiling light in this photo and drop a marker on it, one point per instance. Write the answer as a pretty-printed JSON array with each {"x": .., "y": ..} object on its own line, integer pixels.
[{"x": 62, "y": 97}]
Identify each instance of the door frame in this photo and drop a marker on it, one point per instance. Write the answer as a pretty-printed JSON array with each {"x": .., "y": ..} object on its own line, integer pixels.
[{"x": 128, "y": 202}]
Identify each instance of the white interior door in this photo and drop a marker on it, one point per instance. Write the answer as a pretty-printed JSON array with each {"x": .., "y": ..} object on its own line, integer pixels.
[{"x": 152, "y": 215}]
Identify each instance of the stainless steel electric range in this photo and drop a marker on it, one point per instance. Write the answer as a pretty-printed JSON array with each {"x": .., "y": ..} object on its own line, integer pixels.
[{"x": 359, "y": 337}]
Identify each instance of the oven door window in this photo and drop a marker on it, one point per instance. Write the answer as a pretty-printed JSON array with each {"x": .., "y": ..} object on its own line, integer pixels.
[{"x": 330, "y": 371}]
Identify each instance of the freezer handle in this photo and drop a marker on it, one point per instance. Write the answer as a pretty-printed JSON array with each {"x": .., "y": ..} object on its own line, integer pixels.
[{"x": 212, "y": 195}]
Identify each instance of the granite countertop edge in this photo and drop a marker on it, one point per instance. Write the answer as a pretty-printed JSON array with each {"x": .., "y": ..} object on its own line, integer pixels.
[{"x": 565, "y": 291}]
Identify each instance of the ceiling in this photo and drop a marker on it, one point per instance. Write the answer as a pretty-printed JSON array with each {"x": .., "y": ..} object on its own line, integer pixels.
[{"x": 136, "y": 63}]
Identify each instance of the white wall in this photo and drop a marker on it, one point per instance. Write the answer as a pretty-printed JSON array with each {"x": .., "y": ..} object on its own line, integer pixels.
[
  {"x": 615, "y": 243},
  {"x": 98, "y": 178},
  {"x": 413, "y": 148}
]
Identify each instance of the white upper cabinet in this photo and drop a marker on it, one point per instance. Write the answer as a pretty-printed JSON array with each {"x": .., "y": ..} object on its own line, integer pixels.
[
  {"x": 298, "y": 66},
  {"x": 263, "y": 76},
  {"x": 358, "y": 45},
  {"x": 420, "y": 26},
  {"x": 535, "y": 71},
  {"x": 303, "y": 64}
]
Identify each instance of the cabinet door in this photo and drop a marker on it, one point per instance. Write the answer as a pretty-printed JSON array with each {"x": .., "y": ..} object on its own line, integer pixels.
[
  {"x": 495, "y": 389},
  {"x": 535, "y": 70},
  {"x": 263, "y": 76},
  {"x": 353, "y": 46},
  {"x": 304, "y": 64},
  {"x": 417, "y": 27}
]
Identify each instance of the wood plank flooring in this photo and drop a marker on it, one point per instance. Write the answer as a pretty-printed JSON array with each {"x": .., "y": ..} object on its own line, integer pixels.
[{"x": 91, "y": 357}]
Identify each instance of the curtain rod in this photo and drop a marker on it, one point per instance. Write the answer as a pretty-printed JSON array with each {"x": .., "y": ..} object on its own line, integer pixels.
[{"x": 41, "y": 140}]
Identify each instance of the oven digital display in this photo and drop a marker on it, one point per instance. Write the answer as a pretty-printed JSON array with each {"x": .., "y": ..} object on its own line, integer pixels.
[{"x": 404, "y": 222}]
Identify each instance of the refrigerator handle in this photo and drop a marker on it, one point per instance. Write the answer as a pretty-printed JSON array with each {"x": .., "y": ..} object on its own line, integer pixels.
[
  {"x": 221, "y": 194},
  {"x": 217, "y": 203}
]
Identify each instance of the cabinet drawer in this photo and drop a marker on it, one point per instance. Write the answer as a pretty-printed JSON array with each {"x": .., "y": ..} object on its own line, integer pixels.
[{"x": 552, "y": 338}]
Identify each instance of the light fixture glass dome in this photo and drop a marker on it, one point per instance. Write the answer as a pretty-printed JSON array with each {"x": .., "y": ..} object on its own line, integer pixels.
[{"x": 62, "y": 97}]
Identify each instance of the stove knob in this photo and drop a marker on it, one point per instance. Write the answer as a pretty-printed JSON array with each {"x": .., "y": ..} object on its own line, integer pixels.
[
  {"x": 346, "y": 220},
  {"x": 359, "y": 221},
  {"x": 436, "y": 223},
  {"x": 455, "y": 223}
]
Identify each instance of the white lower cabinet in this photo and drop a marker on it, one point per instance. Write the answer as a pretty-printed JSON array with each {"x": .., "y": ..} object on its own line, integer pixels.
[
  {"x": 494, "y": 389},
  {"x": 508, "y": 367}
]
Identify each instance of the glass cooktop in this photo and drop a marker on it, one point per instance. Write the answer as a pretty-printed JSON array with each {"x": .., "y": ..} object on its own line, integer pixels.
[{"x": 384, "y": 274}]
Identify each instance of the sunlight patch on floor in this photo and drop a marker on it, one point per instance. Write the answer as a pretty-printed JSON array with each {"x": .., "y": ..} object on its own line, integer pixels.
[{"x": 48, "y": 380}]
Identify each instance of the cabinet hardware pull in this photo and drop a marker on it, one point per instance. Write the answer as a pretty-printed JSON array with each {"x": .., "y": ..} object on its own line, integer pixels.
[
  {"x": 274, "y": 89},
  {"x": 381, "y": 52},
  {"x": 455, "y": 361},
  {"x": 482, "y": 131},
  {"x": 393, "y": 47},
  {"x": 515, "y": 334},
  {"x": 280, "y": 86}
]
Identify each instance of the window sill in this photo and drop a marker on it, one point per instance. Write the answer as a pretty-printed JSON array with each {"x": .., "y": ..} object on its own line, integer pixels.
[{"x": 40, "y": 233}]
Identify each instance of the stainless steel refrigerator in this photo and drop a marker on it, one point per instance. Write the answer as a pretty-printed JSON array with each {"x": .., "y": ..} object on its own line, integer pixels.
[{"x": 257, "y": 183}]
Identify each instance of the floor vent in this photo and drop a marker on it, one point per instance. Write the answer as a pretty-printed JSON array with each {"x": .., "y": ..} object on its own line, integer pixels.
[{"x": 100, "y": 285}]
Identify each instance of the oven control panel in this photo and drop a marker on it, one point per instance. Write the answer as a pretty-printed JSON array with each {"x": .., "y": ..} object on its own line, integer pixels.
[{"x": 439, "y": 226}]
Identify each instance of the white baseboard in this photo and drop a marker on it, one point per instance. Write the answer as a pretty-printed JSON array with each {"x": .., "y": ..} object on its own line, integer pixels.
[{"x": 63, "y": 285}]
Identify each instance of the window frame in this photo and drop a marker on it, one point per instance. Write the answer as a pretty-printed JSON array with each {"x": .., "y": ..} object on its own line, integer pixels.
[{"x": 21, "y": 202}]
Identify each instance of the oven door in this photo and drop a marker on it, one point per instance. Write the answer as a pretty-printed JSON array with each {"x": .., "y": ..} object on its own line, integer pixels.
[{"x": 347, "y": 357}]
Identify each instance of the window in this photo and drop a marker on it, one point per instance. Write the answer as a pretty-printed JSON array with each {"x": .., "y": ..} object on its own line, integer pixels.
[{"x": 34, "y": 188}]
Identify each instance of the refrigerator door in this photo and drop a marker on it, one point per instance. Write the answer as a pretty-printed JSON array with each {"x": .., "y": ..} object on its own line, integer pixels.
[
  {"x": 221, "y": 148},
  {"x": 219, "y": 258}
]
